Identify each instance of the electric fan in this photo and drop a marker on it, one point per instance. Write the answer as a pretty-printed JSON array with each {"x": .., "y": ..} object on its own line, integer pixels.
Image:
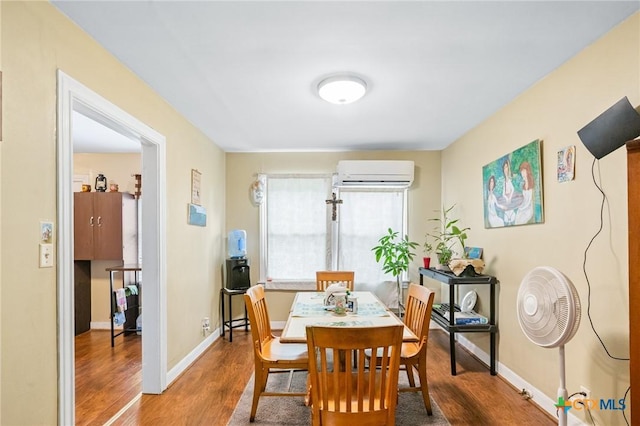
[{"x": 549, "y": 315}]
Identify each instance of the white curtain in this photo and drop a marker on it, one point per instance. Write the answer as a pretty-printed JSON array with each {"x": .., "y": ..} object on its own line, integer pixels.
[
  {"x": 365, "y": 216},
  {"x": 297, "y": 231},
  {"x": 301, "y": 238}
]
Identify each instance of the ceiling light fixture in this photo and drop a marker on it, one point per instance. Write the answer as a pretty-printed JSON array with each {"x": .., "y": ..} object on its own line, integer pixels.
[{"x": 342, "y": 89}]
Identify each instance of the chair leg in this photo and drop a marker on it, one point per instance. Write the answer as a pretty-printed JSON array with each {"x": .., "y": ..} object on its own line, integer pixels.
[
  {"x": 424, "y": 385},
  {"x": 259, "y": 384},
  {"x": 409, "y": 369}
]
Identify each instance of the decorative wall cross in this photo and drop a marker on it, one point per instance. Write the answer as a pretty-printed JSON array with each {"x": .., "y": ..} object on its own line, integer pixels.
[{"x": 335, "y": 202}]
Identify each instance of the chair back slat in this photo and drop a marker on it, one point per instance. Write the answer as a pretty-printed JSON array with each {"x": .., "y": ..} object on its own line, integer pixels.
[
  {"x": 325, "y": 278},
  {"x": 418, "y": 311},
  {"x": 344, "y": 390},
  {"x": 258, "y": 316}
]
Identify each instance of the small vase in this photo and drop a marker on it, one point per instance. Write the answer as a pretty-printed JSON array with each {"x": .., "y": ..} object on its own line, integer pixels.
[
  {"x": 340, "y": 304},
  {"x": 426, "y": 261}
]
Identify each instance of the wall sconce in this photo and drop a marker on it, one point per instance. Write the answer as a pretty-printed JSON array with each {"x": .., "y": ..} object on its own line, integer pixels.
[{"x": 611, "y": 129}]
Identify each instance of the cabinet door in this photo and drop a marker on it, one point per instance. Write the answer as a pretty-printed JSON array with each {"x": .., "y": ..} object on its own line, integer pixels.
[
  {"x": 82, "y": 295},
  {"x": 83, "y": 224},
  {"x": 107, "y": 208}
]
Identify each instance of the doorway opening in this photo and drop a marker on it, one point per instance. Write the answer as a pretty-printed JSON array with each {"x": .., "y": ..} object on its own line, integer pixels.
[{"x": 75, "y": 97}]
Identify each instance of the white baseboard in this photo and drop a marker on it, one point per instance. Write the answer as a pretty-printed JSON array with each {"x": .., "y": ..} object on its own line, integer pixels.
[
  {"x": 278, "y": 325},
  {"x": 103, "y": 326},
  {"x": 537, "y": 396},
  {"x": 185, "y": 362}
]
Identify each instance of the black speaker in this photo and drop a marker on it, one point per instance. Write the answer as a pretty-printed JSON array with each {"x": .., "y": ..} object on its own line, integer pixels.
[
  {"x": 611, "y": 129},
  {"x": 238, "y": 274}
]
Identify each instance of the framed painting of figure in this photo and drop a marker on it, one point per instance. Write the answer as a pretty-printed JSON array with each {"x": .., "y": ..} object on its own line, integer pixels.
[{"x": 512, "y": 188}]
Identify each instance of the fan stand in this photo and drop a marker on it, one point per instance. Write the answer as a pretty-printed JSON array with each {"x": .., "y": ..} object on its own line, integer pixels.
[{"x": 562, "y": 390}]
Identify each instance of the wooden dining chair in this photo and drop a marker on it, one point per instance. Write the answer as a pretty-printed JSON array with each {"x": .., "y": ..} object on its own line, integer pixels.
[
  {"x": 343, "y": 390},
  {"x": 269, "y": 353},
  {"x": 414, "y": 354},
  {"x": 325, "y": 278}
]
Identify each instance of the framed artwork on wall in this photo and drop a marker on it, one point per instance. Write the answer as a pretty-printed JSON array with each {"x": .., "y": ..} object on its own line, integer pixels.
[
  {"x": 566, "y": 163},
  {"x": 512, "y": 188},
  {"x": 195, "y": 186},
  {"x": 197, "y": 215}
]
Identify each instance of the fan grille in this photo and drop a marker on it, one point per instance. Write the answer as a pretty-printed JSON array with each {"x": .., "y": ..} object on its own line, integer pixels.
[{"x": 548, "y": 307}]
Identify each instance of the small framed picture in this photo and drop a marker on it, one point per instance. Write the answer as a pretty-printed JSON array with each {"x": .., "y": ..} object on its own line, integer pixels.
[
  {"x": 197, "y": 215},
  {"x": 46, "y": 232},
  {"x": 195, "y": 186},
  {"x": 566, "y": 163},
  {"x": 473, "y": 252}
]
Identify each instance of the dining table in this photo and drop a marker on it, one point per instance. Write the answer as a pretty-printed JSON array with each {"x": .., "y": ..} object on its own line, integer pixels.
[{"x": 309, "y": 308}]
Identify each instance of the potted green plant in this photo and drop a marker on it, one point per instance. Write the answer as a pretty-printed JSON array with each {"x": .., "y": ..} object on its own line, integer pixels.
[
  {"x": 396, "y": 254},
  {"x": 446, "y": 234}
]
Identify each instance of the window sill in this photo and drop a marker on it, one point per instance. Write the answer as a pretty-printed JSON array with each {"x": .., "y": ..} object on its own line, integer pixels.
[{"x": 289, "y": 285}]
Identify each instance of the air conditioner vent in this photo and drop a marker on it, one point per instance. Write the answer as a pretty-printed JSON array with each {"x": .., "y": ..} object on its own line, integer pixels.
[{"x": 390, "y": 173}]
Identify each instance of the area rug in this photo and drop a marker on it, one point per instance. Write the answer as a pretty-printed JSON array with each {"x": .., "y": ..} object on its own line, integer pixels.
[{"x": 273, "y": 410}]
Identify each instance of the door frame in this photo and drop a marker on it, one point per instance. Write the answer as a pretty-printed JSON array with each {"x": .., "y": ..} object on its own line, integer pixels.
[{"x": 74, "y": 96}]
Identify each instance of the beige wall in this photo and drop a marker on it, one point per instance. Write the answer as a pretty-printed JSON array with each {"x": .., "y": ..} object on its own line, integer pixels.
[
  {"x": 118, "y": 168},
  {"x": 36, "y": 41},
  {"x": 554, "y": 110},
  {"x": 424, "y": 198}
]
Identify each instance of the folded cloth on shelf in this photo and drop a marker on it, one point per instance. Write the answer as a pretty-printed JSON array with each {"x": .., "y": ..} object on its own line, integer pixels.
[
  {"x": 119, "y": 318},
  {"x": 121, "y": 300},
  {"x": 333, "y": 288}
]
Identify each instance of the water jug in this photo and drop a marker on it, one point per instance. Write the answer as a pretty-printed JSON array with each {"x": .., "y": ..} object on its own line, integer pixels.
[
  {"x": 237, "y": 244},
  {"x": 139, "y": 325}
]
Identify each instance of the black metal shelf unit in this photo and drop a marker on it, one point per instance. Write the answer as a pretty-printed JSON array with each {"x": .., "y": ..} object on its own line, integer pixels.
[{"x": 445, "y": 314}]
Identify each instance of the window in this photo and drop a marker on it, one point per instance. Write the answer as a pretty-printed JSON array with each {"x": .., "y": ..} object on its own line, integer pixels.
[{"x": 299, "y": 237}]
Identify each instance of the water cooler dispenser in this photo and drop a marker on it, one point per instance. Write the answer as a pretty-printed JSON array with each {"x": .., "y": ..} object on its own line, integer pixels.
[
  {"x": 237, "y": 274},
  {"x": 237, "y": 281}
]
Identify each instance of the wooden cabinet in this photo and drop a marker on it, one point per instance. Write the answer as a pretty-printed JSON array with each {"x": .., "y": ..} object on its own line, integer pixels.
[{"x": 97, "y": 226}]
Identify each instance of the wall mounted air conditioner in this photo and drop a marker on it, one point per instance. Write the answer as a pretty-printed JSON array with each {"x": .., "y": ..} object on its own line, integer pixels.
[{"x": 391, "y": 173}]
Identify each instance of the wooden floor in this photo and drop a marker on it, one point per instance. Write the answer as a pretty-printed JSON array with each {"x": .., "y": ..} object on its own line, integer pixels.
[
  {"x": 208, "y": 391},
  {"x": 106, "y": 378}
]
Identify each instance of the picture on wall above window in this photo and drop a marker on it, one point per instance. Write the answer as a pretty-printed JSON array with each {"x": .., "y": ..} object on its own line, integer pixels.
[
  {"x": 512, "y": 188},
  {"x": 566, "y": 163}
]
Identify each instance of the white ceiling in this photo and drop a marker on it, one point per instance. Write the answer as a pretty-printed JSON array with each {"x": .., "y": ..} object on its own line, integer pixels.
[
  {"x": 246, "y": 73},
  {"x": 89, "y": 136}
]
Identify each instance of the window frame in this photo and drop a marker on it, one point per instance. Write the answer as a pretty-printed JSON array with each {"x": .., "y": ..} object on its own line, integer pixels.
[{"x": 333, "y": 229}]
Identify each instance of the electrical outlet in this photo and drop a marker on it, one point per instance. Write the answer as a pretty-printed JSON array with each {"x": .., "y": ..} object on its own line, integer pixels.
[
  {"x": 586, "y": 392},
  {"x": 206, "y": 325}
]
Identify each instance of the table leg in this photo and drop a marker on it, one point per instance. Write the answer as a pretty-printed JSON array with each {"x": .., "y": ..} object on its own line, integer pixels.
[
  {"x": 112, "y": 307},
  {"x": 492, "y": 337},
  {"x": 246, "y": 319},
  {"x": 492, "y": 351},
  {"x": 230, "y": 318},
  {"x": 452, "y": 334},
  {"x": 222, "y": 310}
]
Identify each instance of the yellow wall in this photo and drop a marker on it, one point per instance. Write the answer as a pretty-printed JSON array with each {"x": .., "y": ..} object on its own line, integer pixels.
[
  {"x": 242, "y": 168},
  {"x": 554, "y": 110},
  {"x": 36, "y": 41}
]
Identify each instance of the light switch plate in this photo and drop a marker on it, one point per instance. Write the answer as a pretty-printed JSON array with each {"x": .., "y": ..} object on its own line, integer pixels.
[{"x": 46, "y": 255}]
